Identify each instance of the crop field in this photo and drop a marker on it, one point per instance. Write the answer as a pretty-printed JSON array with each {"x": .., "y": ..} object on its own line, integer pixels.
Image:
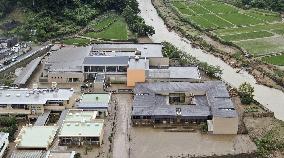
[
  {"x": 263, "y": 46},
  {"x": 259, "y": 32},
  {"x": 112, "y": 27},
  {"x": 275, "y": 60}
]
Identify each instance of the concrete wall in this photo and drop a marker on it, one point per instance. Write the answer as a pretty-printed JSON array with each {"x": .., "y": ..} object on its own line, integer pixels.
[
  {"x": 225, "y": 125},
  {"x": 134, "y": 76},
  {"x": 63, "y": 77},
  {"x": 159, "y": 62}
]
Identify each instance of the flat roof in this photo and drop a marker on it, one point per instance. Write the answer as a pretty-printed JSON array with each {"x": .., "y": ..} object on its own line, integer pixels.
[
  {"x": 67, "y": 59},
  {"x": 128, "y": 49},
  {"x": 94, "y": 101},
  {"x": 95, "y": 98},
  {"x": 3, "y": 137},
  {"x": 141, "y": 63},
  {"x": 87, "y": 129},
  {"x": 60, "y": 154},
  {"x": 30, "y": 96},
  {"x": 80, "y": 116},
  {"x": 106, "y": 60},
  {"x": 175, "y": 73},
  {"x": 36, "y": 137}
]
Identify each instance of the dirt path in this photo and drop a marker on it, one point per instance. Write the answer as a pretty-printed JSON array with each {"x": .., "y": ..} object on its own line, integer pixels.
[{"x": 121, "y": 142}]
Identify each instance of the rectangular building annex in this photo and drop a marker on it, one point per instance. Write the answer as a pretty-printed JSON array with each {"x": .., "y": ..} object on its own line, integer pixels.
[
  {"x": 184, "y": 102},
  {"x": 81, "y": 128},
  {"x": 95, "y": 101},
  {"x": 33, "y": 101},
  {"x": 36, "y": 137}
]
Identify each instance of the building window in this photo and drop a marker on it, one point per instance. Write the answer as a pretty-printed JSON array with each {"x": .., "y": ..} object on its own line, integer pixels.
[
  {"x": 111, "y": 69},
  {"x": 121, "y": 69}
]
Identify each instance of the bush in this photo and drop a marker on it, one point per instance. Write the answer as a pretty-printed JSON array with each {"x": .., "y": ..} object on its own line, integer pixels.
[{"x": 246, "y": 93}]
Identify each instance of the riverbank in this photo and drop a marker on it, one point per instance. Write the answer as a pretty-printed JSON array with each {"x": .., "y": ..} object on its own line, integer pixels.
[
  {"x": 264, "y": 74},
  {"x": 269, "y": 97}
]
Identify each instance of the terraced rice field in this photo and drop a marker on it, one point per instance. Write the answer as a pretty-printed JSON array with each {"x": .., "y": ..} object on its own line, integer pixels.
[{"x": 257, "y": 31}]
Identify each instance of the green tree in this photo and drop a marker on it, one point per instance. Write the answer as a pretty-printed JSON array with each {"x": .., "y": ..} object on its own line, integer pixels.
[{"x": 246, "y": 93}]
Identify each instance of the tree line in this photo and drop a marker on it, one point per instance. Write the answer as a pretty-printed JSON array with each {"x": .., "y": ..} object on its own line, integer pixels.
[
  {"x": 274, "y": 5},
  {"x": 55, "y": 18}
]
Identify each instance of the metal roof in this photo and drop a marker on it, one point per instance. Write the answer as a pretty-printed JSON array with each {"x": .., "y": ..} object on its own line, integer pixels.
[
  {"x": 67, "y": 59},
  {"x": 106, "y": 61},
  {"x": 31, "y": 137},
  {"x": 128, "y": 49},
  {"x": 212, "y": 98},
  {"x": 31, "y": 97},
  {"x": 174, "y": 73}
]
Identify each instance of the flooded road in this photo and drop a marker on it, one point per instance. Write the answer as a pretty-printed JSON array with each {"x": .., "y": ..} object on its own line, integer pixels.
[{"x": 271, "y": 98}]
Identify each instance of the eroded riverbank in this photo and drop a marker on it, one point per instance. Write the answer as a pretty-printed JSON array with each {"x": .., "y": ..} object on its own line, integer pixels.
[{"x": 269, "y": 97}]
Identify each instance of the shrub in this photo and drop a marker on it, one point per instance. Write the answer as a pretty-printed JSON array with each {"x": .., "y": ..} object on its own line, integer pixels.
[{"x": 246, "y": 93}]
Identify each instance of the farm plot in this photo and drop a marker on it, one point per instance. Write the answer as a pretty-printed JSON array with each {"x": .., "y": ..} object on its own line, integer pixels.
[
  {"x": 245, "y": 36},
  {"x": 263, "y": 46},
  {"x": 259, "y": 32},
  {"x": 271, "y": 27},
  {"x": 222, "y": 15},
  {"x": 275, "y": 60},
  {"x": 239, "y": 19}
]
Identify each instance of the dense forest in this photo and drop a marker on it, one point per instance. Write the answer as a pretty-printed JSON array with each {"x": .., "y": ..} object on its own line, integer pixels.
[
  {"x": 46, "y": 19},
  {"x": 274, "y": 5}
]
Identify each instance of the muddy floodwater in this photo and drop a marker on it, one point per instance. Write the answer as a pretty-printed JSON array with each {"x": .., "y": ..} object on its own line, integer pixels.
[
  {"x": 271, "y": 98},
  {"x": 149, "y": 142}
]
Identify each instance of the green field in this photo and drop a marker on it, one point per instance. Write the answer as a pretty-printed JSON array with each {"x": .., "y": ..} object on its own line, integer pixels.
[
  {"x": 248, "y": 35},
  {"x": 264, "y": 46},
  {"x": 275, "y": 60},
  {"x": 116, "y": 31},
  {"x": 110, "y": 27},
  {"x": 76, "y": 41},
  {"x": 259, "y": 32}
]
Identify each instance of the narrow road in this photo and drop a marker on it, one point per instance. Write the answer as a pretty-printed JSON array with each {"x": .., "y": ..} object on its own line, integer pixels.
[
  {"x": 271, "y": 98},
  {"x": 121, "y": 142}
]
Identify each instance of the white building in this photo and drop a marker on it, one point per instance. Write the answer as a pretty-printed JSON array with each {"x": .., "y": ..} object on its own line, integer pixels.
[{"x": 4, "y": 141}]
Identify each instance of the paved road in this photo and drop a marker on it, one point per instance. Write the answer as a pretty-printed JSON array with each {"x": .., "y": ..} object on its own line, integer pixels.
[
  {"x": 271, "y": 98},
  {"x": 34, "y": 50}
]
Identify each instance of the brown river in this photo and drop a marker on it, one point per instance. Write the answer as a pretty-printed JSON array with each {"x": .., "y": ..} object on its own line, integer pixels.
[{"x": 271, "y": 98}]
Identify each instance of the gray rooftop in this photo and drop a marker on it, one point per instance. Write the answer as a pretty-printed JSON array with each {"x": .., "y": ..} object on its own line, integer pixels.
[
  {"x": 27, "y": 72},
  {"x": 128, "y": 49},
  {"x": 68, "y": 59},
  {"x": 139, "y": 63},
  {"x": 174, "y": 73},
  {"x": 107, "y": 60},
  {"x": 150, "y": 99},
  {"x": 30, "y": 96}
]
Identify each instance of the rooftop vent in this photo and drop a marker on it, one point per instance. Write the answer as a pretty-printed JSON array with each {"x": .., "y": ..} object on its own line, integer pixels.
[{"x": 136, "y": 58}]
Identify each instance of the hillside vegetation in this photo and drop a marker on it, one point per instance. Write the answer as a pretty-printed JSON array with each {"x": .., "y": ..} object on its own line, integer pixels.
[{"x": 47, "y": 19}]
